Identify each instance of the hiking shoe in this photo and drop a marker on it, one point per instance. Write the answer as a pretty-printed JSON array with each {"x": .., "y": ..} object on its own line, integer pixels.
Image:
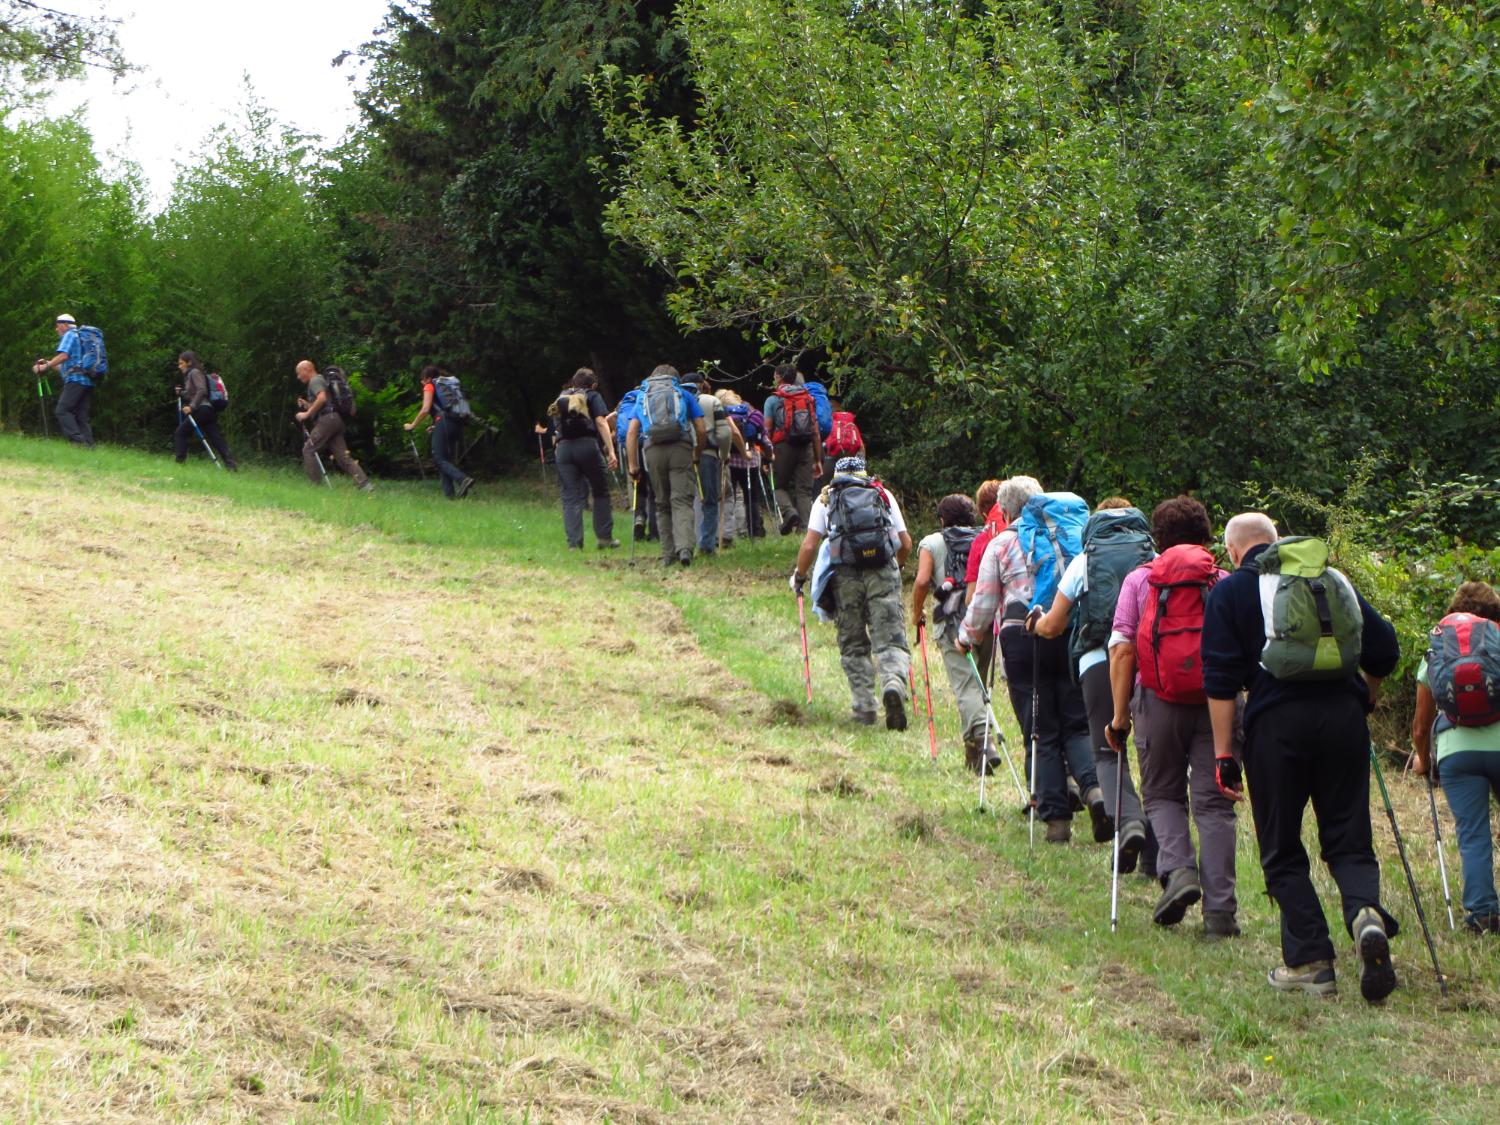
[
  {"x": 788, "y": 521},
  {"x": 463, "y": 487},
  {"x": 1059, "y": 831},
  {"x": 1315, "y": 978},
  {"x": 608, "y": 544},
  {"x": 863, "y": 718},
  {"x": 1482, "y": 924},
  {"x": 1075, "y": 796},
  {"x": 1182, "y": 890},
  {"x": 895, "y": 710},
  {"x": 991, "y": 758},
  {"x": 640, "y": 531},
  {"x": 1377, "y": 976},
  {"x": 1220, "y": 924},
  {"x": 1132, "y": 840},
  {"x": 575, "y": 546},
  {"x": 685, "y": 557},
  {"x": 368, "y": 486},
  {"x": 973, "y": 756},
  {"x": 1104, "y": 824}
]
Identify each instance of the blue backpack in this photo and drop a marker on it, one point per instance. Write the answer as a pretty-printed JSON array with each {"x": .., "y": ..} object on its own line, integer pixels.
[
  {"x": 822, "y": 407},
  {"x": 752, "y": 423},
  {"x": 91, "y": 358},
  {"x": 1050, "y": 531},
  {"x": 663, "y": 410},
  {"x": 624, "y": 412}
]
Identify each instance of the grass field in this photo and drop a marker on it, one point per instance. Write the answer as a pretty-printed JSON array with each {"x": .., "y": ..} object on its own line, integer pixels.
[{"x": 320, "y": 806}]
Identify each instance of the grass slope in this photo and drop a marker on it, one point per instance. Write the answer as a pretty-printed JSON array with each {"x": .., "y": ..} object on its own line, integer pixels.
[{"x": 326, "y": 807}]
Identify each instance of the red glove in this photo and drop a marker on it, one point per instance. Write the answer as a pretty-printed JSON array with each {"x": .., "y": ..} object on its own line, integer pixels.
[{"x": 1229, "y": 779}]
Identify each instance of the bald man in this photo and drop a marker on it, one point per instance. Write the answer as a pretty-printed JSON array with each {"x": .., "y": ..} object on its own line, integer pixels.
[
  {"x": 324, "y": 427},
  {"x": 1305, "y": 741}
]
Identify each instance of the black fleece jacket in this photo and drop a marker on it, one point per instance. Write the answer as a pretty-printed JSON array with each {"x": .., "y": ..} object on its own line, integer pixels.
[{"x": 1234, "y": 633}]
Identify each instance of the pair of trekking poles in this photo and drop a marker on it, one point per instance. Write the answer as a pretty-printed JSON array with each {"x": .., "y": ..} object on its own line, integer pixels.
[{"x": 199, "y": 431}]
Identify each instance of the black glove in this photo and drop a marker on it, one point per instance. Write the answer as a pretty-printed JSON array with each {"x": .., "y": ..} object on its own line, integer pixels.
[
  {"x": 1229, "y": 779},
  {"x": 797, "y": 582}
]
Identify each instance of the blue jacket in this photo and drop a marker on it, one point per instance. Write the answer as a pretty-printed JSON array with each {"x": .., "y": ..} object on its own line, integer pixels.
[{"x": 1234, "y": 632}]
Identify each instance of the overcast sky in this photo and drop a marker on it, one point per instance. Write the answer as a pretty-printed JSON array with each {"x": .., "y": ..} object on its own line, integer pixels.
[{"x": 193, "y": 55}]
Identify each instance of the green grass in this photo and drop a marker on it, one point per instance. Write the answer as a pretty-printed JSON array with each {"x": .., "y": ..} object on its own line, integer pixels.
[{"x": 330, "y": 807}]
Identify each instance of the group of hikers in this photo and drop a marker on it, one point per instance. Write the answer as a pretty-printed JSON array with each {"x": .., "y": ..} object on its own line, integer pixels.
[{"x": 1109, "y": 627}]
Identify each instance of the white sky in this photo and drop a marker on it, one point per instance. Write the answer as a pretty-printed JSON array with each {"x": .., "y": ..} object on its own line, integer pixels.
[{"x": 193, "y": 56}]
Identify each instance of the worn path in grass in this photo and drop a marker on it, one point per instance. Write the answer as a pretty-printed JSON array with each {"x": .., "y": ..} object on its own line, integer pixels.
[{"x": 324, "y": 807}]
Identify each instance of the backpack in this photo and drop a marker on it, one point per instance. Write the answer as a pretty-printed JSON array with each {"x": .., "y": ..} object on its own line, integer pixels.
[
  {"x": 859, "y": 524},
  {"x": 91, "y": 358},
  {"x": 1463, "y": 670},
  {"x": 1169, "y": 639},
  {"x": 1050, "y": 531},
  {"x": 572, "y": 412},
  {"x": 625, "y": 410},
  {"x": 717, "y": 417},
  {"x": 821, "y": 405},
  {"x": 449, "y": 393},
  {"x": 218, "y": 394},
  {"x": 1115, "y": 542},
  {"x": 843, "y": 436},
  {"x": 957, "y": 543},
  {"x": 752, "y": 422},
  {"x": 340, "y": 393},
  {"x": 663, "y": 411},
  {"x": 798, "y": 417},
  {"x": 1312, "y": 615}
]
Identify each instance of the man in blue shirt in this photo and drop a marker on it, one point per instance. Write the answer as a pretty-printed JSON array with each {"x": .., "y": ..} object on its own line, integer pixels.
[
  {"x": 670, "y": 461},
  {"x": 78, "y": 388}
]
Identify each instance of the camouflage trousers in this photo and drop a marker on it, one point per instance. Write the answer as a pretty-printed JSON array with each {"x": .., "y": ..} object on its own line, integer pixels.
[{"x": 871, "y": 623}]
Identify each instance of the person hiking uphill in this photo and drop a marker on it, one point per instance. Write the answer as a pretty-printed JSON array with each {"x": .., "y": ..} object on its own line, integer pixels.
[
  {"x": 320, "y": 418},
  {"x": 722, "y": 438},
  {"x": 792, "y": 419},
  {"x": 75, "y": 363},
  {"x": 744, "y": 464},
  {"x": 198, "y": 410},
  {"x": 447, "y": 428},
  {"x": 942, "y": 561},
  {"x": 1458, "y": 707},
  {"x": 669, "y": 422},
  {"x": 583, "y": 430},
  {"x": 1311, "y": 652},
  {"x": 867, "y": 546},
  {"x": 1116, "y": 540},
  {"x": 1156, "y": 675}
]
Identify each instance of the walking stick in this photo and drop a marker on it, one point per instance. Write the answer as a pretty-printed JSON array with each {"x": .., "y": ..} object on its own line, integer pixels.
[
  {"x": 635, "y": 499},
  {"x": 1114, "y": 879},
  {"x": 420, "y": 468},
  {"x": 1036, "y": 707},
  {"x": 199, "y": 430},
  {"x": 927, "y": 678},
  {"x": 541, "y": 454},
  {"x": 43, "y": 389},
  {"x": 806, "y": 662},
  {"x": 992, "y": 722},
  {"x": 1411, "y": 883},
  {"x": 911, "y": 676},
  {"x": 317, "y": 458},
  {"x": 1437, "y": 838}
]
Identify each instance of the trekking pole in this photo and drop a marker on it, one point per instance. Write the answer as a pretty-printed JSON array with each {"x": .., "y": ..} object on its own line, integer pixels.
[
  {"x": 1036, "y": 707},
  {"x": 1437, "y": 839},
  {"x": 541, "y": 455},
  {"x": 806, "y": 662},
  {"x": 318, "y": 459},
  {"x": 416, "y": 455},
  {"x": 197, "y": 429},
  {"x": 1114, "y": 878},
  {"x": 635, "y": 499},
  {"x": 992, "y": 722},
  {"x": 1411, "y": 883},
  {"x": 43, "y": 389},
  {"x": 927, "y": 678},
  {"x": 775, "y": 505}
]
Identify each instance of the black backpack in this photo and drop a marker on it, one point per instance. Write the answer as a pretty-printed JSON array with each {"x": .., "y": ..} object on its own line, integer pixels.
[
  {"x": 957, "y": 542},
  {"x": 340, "y": 393},
  {"x": 859, "y": 521},
  {"x": 1115, "y": 542},
  {"x": 573, "y": 418}
]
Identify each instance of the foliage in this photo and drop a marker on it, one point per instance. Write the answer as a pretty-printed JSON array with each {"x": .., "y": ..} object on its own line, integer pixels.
[{"x": 39, "y": 42}]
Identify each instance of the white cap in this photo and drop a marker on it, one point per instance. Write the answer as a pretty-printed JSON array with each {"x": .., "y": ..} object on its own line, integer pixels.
[{"x": 64, "y": 318}]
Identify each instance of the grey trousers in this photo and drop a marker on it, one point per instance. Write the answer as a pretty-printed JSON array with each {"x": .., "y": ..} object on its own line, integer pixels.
[
  {"x": 580, "y": 469},
  {"x": 673, "y": 480},
  {"x": 871, "y": 622},
  {"x": 1099, "y": 701},
  {"x": 961, "y": 679},
  {"x": 794, "y": 480},
  {"x": 1176, "y": 746}
]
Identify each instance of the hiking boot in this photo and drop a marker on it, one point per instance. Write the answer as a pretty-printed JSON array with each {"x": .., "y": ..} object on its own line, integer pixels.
[
  {"x": 1220, "y": 924},
  {"x": 1132, "y": 840},
  {"x": 1377, "y": 976},
  {"x": 463, "y": 487},
  {"x": 1482, "y": 924},
  {"x": 1104, "y": 824},
  {"x": 973, "y": 755},
  {"x": 1075, "y": 796},
  {"x": 640, "y": 531},
  {"x": 1182, "y": 890},
  {"x": 863, "y": 718},
  {"x": 1315, "y": 978},
  {"x": 685, "y": 557},
  {"x": 368, "y": 486},
  {"x": 1059, "y": 831},
  {"x": 991, "y": 758},
  {"x": 608, "y": 544},
  {"x": 788, "y": 521},
  {"x": 895, "y": 710}
]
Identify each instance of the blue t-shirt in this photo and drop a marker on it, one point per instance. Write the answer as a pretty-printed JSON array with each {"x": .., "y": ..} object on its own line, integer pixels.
[
  {"x": 637, "y": 411},
  {"x": 71, "y": 344}
]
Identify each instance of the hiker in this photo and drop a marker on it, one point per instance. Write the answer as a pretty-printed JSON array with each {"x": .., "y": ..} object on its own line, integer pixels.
[
  {"x": 745, "y": 480},
  {"x": 197, "y": 409},
  {"x": 582, "y": 425},
  {"x": 79, "y": 362},
  {"x": 1156, "y": 677},
  {"x": 994, "y": 523},
  {"x": 1116, "y": 540},
  {"x": 1036, "y": 670},
  {"x": 867, "y": 544},
  {"x": 1458, "y": 707},
  {"x": 792, "y": 419},
  {"x": 643, "y": 501},
  {"x": 841, "y": 438},
  {"x": 443, "y": 407},
  {"x": 712, "y": 481},
  {"x": 319, "y": 409},
  {"x": 942, "y": 561},
  {"x": 669, "y": 422},
  {"x": 1310, "y": 686}
]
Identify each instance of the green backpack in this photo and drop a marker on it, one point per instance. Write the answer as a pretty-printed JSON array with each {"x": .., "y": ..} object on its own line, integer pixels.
[{"x": 1312, "y": 615}]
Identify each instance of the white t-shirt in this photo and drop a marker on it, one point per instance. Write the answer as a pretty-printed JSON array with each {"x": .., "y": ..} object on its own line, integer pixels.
[
  {"x": 1070, "y": 586},
  {"x": 817, "y": 519}
]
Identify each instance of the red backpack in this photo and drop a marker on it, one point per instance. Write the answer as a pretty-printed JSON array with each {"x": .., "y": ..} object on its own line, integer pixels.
[
  {"x": 799, "y": 418},
  {"x": 1463, "y": 669},
  {"x": 844, "y": 441},
  {"x": 1169, "y": 639}
]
